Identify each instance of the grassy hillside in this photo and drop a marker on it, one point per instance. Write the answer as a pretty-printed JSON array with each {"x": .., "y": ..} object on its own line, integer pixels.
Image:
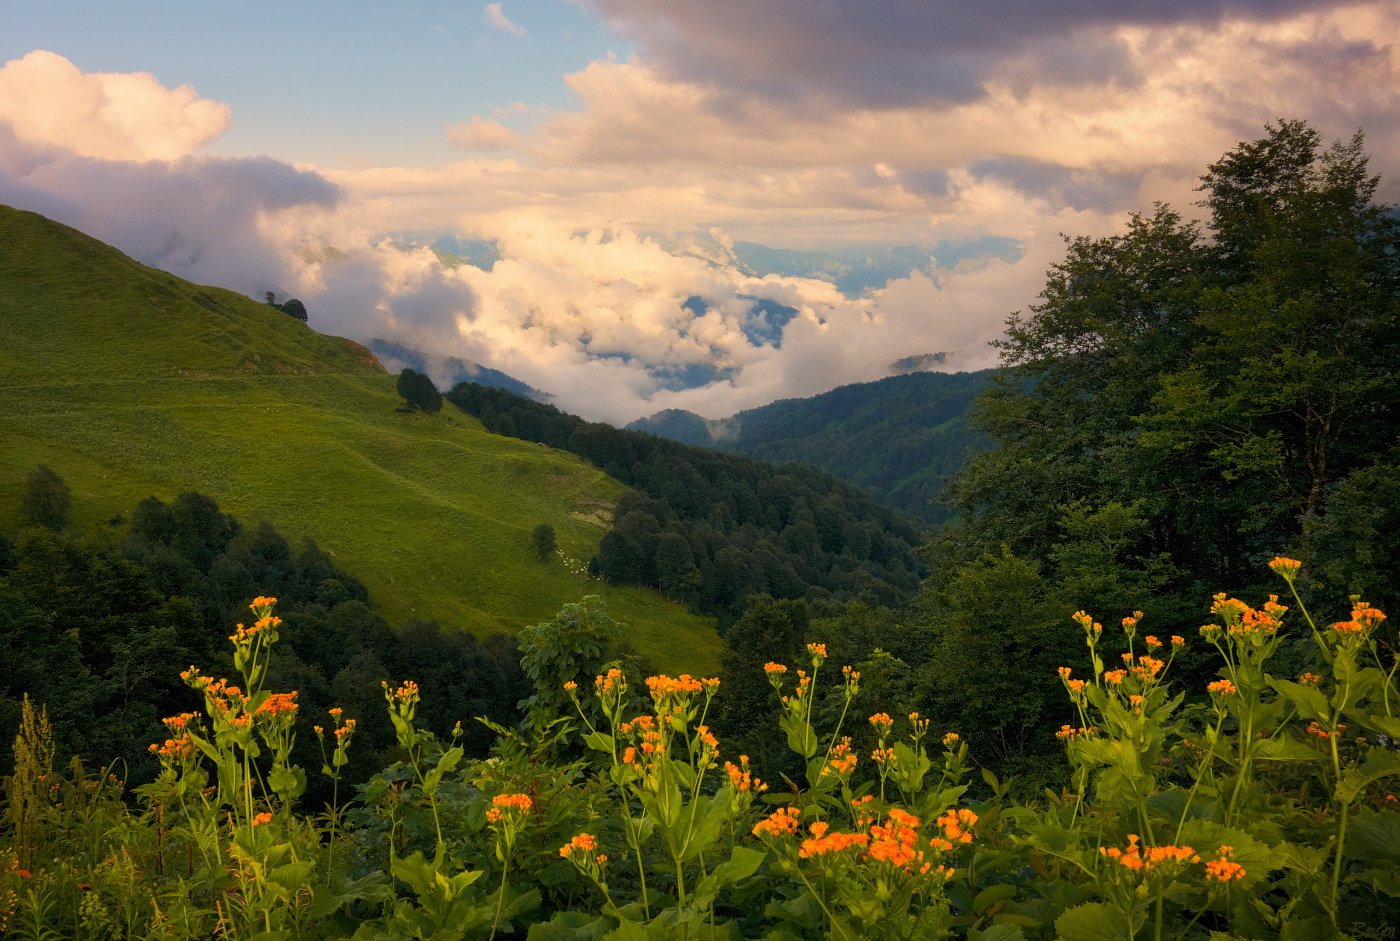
[{"x": 130, "y": 382}]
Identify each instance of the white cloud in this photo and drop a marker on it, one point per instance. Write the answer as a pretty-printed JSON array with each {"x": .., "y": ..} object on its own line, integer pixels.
[
  {"x": 496, "y": 18},
  {"x": 47, "y": 101},
  {"x": 482, "y": 134}
]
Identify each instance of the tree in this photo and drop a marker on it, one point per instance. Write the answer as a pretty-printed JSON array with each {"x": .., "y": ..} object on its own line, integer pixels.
[
  {"x": 543, "y": 538},
  {"x": 419, "y": 392},
  {"x": 46, "y": 498},
  {"x": 294, "y": 308}
]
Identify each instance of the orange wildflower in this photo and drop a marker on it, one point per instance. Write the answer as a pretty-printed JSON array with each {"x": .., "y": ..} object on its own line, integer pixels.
[
  {"x": 817, "y": 650},
  {"x": 583, "y": 843},
  {"x": 262, "y": 818},
  {"x": 1222, "y": 688},
  {"x": 782, "y": 822},
  {"x": 821, "y": 843},
  {"x": 1224, "y": 869},
  {"x": 1285, "y": 568}
]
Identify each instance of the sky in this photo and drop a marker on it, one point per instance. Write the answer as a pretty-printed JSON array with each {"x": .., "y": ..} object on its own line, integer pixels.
[{"x": 702, "y": 204}]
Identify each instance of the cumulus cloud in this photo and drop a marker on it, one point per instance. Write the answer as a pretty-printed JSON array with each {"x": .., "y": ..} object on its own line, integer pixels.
[
  {"x": 47, "y": 101},
  {"x": 112, "y": 155},
  {"x": 496, "y": 18}
]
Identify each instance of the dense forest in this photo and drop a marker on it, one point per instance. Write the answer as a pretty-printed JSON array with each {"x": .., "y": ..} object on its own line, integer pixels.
[
  {"x": 900, "y": 439},
  {"x": 109, "y": 619},
  {"x": 713, "y": 530}
]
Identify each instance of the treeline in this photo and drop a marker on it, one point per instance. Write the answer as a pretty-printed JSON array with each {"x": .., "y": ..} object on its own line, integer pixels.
[
  {"x": 712, "y": 529},
  {"x": 98, "y": 627}
]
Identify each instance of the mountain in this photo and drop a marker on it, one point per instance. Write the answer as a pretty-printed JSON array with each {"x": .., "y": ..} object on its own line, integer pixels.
[
  {"x": 130, "y": 382},
  {"x": 899, "y": 438},
  {"x": 447, "y": 371}
]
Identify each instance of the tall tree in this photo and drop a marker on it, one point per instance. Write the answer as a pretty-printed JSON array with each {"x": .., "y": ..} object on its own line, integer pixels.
[
  {"x": 46, "y": 498},
  {"x": 418, "y": 391}
]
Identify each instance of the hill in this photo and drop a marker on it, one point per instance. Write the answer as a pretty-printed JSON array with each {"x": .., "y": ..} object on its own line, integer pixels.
[
  {"x": 130, "y": 382},
  {"x": 898, "y": 439}
]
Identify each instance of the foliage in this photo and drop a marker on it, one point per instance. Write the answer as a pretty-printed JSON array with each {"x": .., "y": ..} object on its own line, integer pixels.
[
  {"x": 46, "y": 499},
  {"x": 714, "y": 529},
  {"x": 1265, "y": 811},
  {"x": 898, "y": 439},
  {"x": 419, "y": 392},
  {"x": 1185, "y": 399},
  {"x": 542, "y": 536}
]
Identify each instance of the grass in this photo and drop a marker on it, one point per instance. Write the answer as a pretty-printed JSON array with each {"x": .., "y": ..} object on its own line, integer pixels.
[{"x": 130, "y": 382}]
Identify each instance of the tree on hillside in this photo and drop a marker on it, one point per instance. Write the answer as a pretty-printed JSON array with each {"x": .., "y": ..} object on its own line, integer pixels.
[
  {"x": 294, "y": 308},
  {"x": 544, "y": 541},
  {"x": 46, "y": 498},
  {"x": 419, "y": 392}
]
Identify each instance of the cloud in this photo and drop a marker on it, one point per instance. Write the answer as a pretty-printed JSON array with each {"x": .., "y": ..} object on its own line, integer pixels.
[
  {"x": 896, "y": 53},
  {"x": 496, "y": 18},
  {"x": 47, "y": 101},
  {"x": 482, "y": 134},
  {"x": 111, "y": 154}
]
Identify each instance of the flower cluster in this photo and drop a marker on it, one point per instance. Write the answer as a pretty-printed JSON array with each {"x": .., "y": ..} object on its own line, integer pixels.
[
  {"x": 781, "y": 822},
  {"x": 1223, "y": 869},
  {"x": 1140, "y": 858}
]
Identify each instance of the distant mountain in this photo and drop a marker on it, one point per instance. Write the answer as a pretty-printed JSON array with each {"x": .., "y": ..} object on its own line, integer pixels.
[
  {"x": 900, "y": 439},
  {"x": 447, "y": 371}
]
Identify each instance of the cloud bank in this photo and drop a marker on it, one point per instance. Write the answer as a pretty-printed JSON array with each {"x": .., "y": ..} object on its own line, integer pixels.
[{"x": 621, "y": 275}]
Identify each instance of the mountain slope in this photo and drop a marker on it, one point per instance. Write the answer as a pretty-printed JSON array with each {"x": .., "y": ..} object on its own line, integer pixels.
[
  {"x": 130, "y": 382},
  {"x": 899, "y": 439}
]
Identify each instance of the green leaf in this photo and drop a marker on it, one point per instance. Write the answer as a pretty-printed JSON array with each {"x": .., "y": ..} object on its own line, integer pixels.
[
  {"x": 998, "y": 933},
  {"x": 1375, "y": 838},
  {"x": 741, "y": 864},
  {"x": 292, "y": 876},
  {"x": 599, "y": 741},
  {"x": 1379, "y": 764},
  {"x": 1308, "y": 700},
  {"x": 1283, "y": 748},
  {"x": 1092, "y": 921},
  {"x": 991, "y": 896}
]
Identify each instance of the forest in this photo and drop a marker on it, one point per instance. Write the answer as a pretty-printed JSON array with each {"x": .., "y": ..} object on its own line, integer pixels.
[{"x": 1141, "y": 683}]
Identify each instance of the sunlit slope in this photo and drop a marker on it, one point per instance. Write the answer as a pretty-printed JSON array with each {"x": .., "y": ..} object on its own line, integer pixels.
[{"x": 130, "y": 382}]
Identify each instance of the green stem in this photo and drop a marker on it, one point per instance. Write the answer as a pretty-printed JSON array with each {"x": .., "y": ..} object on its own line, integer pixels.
[
  {"x": 500, "y": 897},
  {"x": 1317, "y": 635}
]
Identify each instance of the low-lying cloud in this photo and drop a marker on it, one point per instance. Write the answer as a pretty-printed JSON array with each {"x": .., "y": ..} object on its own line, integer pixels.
[{"x": 624, "y": 276}]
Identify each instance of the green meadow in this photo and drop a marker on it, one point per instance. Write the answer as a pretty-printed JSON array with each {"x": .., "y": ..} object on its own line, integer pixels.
[{"x": 130, "y": 382}]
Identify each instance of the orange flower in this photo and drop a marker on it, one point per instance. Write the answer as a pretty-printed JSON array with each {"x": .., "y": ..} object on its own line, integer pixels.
[
  {"x": 521, "y": 802},
  {"x": 1223, "y": 869},
  {"x": 1178, "y": 640},
  {"x": 1222, "y": 688},
  {"x": 821, "y": 843},
  {"x": 261, "y": 819},
  {"x": 781, "y": 822},
  {"x": 583, "y": 843},
  {"x": 817, "y": 650},
  {"x": 882, "y": 722},
  {"x": 774, "y": 669},
  {"x": 1285, "y": 568}
]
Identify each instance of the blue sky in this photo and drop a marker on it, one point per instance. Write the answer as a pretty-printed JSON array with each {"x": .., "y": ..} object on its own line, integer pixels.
[
  {"x": 349, "y": 83},
  {"x": 617, "y": 156}
]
